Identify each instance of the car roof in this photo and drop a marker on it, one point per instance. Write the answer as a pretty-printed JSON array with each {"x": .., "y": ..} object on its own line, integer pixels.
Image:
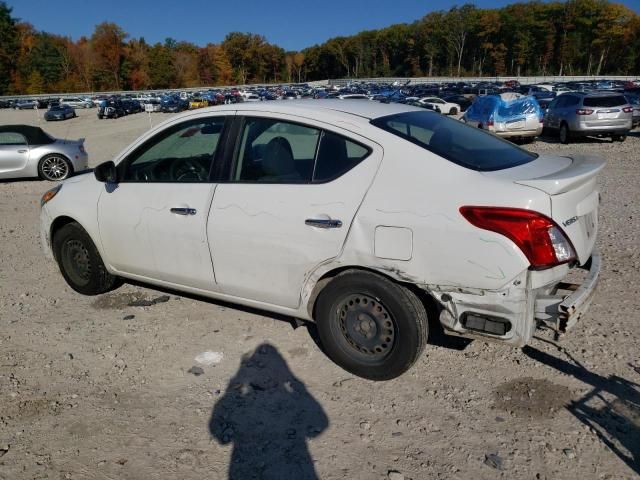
[
  {"x": 34, "y": 135},
  {"x": 367, "y": 110}
]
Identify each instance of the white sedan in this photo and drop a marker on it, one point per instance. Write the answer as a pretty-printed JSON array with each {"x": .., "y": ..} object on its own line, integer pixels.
[
  {"x": 446, "y": 108},
  {"x": 356, "y": 215}
]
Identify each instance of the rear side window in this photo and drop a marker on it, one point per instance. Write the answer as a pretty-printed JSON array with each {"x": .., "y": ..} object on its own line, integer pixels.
[
  {"x": 278, "y": 151},
  {"x": 336, "y": 156},
  {"x": 466, "y": 146},
  {"x": 611, "y": 101}
]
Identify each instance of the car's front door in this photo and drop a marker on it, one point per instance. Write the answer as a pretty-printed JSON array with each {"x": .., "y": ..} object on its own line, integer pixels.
[
  {"x": 286, "y": 206},
  {"x": 153, "y": 222},
  {"x": 14, "y": 154}
]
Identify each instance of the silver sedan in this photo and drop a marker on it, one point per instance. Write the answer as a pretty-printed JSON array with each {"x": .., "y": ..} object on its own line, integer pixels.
[{"x": 27, "y": 151}]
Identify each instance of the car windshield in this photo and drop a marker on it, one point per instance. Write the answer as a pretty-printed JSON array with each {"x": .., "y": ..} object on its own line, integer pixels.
[
  {"x": 608, "y": 101},
  {"x": 466, "y": 146}
]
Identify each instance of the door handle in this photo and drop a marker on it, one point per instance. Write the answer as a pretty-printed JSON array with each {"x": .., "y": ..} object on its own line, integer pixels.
[
  {"x": 22, "y": 151},
  {"x": 323, "y": 223},
  {"x": 183, "y": 211}
]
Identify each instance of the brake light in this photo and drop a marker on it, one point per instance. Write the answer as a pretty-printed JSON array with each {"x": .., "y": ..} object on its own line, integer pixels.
[
  {"x": 539, "y": 238},
  {"x": 584, "y": 111},
  {"x": 627, "y": 109}
]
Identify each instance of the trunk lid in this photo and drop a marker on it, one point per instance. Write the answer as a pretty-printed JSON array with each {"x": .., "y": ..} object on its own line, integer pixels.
[{"x": 570, "y": 183}]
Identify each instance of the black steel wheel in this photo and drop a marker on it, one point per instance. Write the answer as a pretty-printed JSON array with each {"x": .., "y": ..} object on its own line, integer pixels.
[
  {"x": 80, "y": 262},
  {"x": 370, "y": 325},
  {"x": 367, "y": 326}
]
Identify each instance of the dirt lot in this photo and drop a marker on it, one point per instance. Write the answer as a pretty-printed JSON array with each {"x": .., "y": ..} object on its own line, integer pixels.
[{"x": 95, "y": 388}]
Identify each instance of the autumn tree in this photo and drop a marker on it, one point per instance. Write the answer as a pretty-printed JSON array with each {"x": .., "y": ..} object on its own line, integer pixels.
[
  {"x": 8, "y": 46},
  {"x": 107, "y": 44}
]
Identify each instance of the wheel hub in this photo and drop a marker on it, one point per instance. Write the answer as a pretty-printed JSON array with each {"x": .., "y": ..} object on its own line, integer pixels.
[
  {"x": 78, "y": 260},
  {"x": 366, "y": 325}
]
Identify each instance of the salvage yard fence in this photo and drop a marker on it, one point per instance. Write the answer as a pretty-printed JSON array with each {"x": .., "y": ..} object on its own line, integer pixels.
[{"x": 342, "y": 82}]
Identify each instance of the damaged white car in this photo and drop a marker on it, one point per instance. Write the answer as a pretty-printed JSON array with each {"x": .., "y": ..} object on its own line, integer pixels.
[{"x": 345, "y": 213}]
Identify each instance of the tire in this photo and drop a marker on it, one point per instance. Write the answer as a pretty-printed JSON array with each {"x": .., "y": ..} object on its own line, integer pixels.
[
  {"x": 453, "y": 111},
  {"x": 618, "y": 138},
  {"x": 371, "y": 326},
  {"x": 564, "y": 134},
  {"x": 80, "y": 263},
  {"x": 54, "y": 167}
]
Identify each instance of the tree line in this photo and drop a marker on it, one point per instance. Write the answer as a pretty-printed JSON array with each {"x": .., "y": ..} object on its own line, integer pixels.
[{"x": 575, "y": 37}]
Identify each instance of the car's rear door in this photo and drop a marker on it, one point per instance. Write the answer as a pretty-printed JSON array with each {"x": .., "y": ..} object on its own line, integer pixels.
[
  {"x": 153, "y": 222},
  {"x": 287, "y": 204},
  {"x": 14, "y": 153}
]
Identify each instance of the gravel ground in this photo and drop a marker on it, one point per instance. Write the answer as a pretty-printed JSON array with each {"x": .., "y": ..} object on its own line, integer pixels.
[{"x": 107, "y": 387}]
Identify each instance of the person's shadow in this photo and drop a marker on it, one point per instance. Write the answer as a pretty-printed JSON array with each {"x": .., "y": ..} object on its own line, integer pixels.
[
  {"x": 611, "y": 409},
  {"x": 268, "y": 414}
]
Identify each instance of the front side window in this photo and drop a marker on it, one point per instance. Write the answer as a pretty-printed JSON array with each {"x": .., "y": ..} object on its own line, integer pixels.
[
  {"x": 181, "y": 153},
  {"x": 12, "y": 138},
  {"x": 466, "y": 146}
]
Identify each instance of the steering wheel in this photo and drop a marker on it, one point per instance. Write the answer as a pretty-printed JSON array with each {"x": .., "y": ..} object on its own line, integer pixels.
[{"x": 186, "y": 170}]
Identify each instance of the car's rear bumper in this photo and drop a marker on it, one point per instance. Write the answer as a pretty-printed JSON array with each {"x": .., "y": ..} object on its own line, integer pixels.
[
  {"x": 601, "y": 131},
  {"x": 563, "y": 311}
]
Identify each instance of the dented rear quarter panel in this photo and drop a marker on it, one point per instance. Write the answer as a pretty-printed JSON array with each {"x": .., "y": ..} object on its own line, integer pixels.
[{"x": 420, "y": 191}]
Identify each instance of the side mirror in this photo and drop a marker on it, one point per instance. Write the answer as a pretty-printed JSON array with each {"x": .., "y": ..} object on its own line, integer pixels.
[{"x": 106, "y": 172}]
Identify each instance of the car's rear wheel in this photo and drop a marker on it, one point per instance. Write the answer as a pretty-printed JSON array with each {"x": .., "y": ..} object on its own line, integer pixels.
[
  {"x": 371, "y": 326},
  {"x": 80, "y": 263},
  {"x": 619, "y": 138},
  {"x": 453, "y": 111},
  {"x": 54, "y": 167},
  {"x": 565, "y": 134}
]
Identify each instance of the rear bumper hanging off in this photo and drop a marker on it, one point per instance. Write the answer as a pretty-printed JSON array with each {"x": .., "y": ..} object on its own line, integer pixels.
[{"x": 562, "y": 311}]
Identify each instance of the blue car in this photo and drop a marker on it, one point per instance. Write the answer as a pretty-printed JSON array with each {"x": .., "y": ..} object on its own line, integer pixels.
[{"x": 507, "y": 115}]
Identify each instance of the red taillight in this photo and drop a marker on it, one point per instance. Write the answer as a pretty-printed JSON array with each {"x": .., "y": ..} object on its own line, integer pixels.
[
  {"x": 490, "y": 123},
  {"x": 627, "y": 109},
  {"x": 539, "y": 238},
  {"x": 584, "y": 111}
]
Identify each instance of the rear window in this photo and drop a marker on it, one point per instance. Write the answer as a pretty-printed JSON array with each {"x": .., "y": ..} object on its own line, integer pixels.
[
  {"x": 612, "y": 101},
  {"x": 466, "y": 146}
]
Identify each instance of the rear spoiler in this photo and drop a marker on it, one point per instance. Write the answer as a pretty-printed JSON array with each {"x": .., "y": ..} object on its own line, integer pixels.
[{"x": 581, "y": 169}]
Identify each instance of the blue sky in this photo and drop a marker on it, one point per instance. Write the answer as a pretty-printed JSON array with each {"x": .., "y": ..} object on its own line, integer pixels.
[{"x": 292, "y": 24}]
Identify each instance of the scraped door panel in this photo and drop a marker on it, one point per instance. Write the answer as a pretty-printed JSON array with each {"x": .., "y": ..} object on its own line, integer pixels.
[
  {"x": 142, "y": 236},
  {"x": 262, "y": 243}
]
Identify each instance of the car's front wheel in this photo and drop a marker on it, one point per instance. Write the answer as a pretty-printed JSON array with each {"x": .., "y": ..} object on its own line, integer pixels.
[
  {"x": 619, "y": 138},
  {"x": 80, "y": 262},
  {"x": 371, "y": 326}
]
